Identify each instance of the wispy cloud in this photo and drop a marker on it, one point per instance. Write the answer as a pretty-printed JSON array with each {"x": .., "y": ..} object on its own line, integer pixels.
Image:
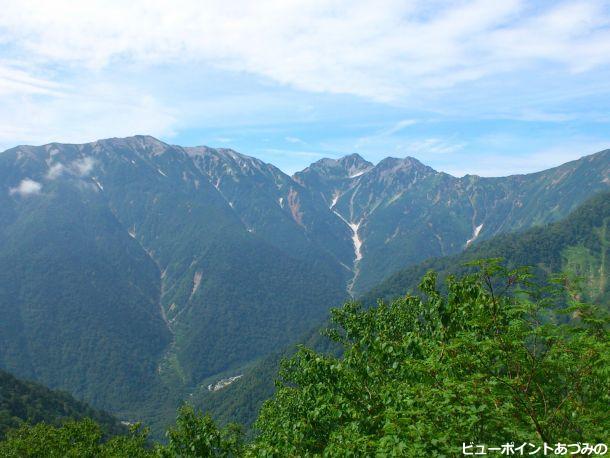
[
  {"x": 496, "y": 164},
  {"x": 84, "y": 166},
  {"x": 55, "y": 171},
  {"x": 432, "y": 146},
  {"x": 294, "y": 140},
  {"x": 400, "y": 125},
  {"x": 26, "y": 187},
  {"x": 384, "y": 133},
  {"x": 293, "y": 73},
  {"x": 382, "y": 50},
  {"x": 79, "y": 168},
  {"x": 15, "y": 80}
]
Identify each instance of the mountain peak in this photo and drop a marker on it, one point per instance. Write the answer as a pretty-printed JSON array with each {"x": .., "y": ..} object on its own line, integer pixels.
[
  {"x": 146, "y": 143},
  {"x": 406, "y": 164},
  {"x": 355, "y": 165},
  {"x": 136, "y": 140},
  {"x": 349, "y": 166},
  {"x": 226, "y": 155},
  {"x": 353, "y": 158},
  {"x": 219, "y": 161}
]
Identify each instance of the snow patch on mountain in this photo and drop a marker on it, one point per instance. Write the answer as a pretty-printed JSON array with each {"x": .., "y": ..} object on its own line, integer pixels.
[
  {"x": 99, "y": 185},
  {"x": 336, "y": 196},
  {"x": 196, "y": 282},
  {"x": 477, "y": 231},
  {"x": 357, "y": 241},
  {"x": 360, "y": 173}
]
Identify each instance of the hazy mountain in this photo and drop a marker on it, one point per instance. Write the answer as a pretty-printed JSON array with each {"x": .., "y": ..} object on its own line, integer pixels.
[{"x": 134, "y": 272}]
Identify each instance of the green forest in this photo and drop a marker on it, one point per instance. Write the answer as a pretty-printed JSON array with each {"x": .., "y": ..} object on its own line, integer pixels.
[
  {"x": 491, "y": 357},
  {"x": 28, "y": 402},
  {"x": 577, "y": 245}
]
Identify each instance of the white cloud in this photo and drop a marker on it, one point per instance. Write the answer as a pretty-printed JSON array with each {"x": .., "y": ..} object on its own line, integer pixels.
[
  {"x": 495, "y": 164},
  {"x": 55, "y": 171},
  {"x": 93, "y": 110},
  {"x": 383, "y": 50},
  {"x": 432, "y": 146},
  {"x": 27, "y": 187},
  {"x": 84, "y": 166}
]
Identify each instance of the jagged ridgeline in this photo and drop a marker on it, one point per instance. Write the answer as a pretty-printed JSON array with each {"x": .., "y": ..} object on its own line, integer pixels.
[
  {"x": 134, "y": 273},
  {"x": 578, "y": 246},
  {"x": 28, "y": 402}
]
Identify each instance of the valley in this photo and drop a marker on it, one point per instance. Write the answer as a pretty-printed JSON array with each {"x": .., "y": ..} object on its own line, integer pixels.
[
  {"x": 577, "y": 245},
  {"x": 199, "y": 263}
]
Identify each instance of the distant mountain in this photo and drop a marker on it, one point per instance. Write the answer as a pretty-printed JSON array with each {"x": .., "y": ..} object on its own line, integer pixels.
[
  {"x": 401, "y": 212},
  {"x": 134, "y": 273},
  {"x": 29, "y": 402},
  {"x": 578, "y": 245}
]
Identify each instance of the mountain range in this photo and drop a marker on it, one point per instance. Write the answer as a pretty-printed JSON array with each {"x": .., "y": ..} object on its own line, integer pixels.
[
  {"x": 134, "y": 271},
  {"x": 578, "y": 245}
]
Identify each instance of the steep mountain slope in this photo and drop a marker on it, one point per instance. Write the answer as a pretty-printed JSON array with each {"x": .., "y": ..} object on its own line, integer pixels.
[
  {"x": 401, "y": 212},
  {"x": 134, "y": 273},
  {"x": 78, "y": 296},
  {"x": 579, "y": 245},
  {"x": 275, "y": 207},
  {"x": 22, "y": 401},
  {"x": 129, "y": 270}
]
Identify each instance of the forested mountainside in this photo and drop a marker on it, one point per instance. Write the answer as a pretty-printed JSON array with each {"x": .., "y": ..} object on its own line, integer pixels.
[
  {"x": 28, "y": 402},
  {"x": 402, "y": 212},
  {"x": 578, "y": 245},
  {"x": 134, "y": 273},
  {"x": 409, "y": 377},
  {"x": 131, "y": 274}
]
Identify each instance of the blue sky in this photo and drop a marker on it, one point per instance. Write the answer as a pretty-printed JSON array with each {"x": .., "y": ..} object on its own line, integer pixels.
[{"x": 485, "y": 87}]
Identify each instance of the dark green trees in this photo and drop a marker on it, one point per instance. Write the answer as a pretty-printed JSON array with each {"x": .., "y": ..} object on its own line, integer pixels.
[
  {"x": 491, "y": 360},
  {"x": 75, "y": 439},
  {"x": 196, "y": 435},
  {"x": 29, "y": 402}
]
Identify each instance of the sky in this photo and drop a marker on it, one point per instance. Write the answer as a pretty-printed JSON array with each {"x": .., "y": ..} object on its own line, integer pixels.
[{"x": 482, "y": 87}]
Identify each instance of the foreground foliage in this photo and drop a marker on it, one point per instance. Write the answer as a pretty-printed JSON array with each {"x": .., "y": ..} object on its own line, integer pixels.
[
  {"x": 420, "y": 376},
  {"x": 490, "y": 361}
]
